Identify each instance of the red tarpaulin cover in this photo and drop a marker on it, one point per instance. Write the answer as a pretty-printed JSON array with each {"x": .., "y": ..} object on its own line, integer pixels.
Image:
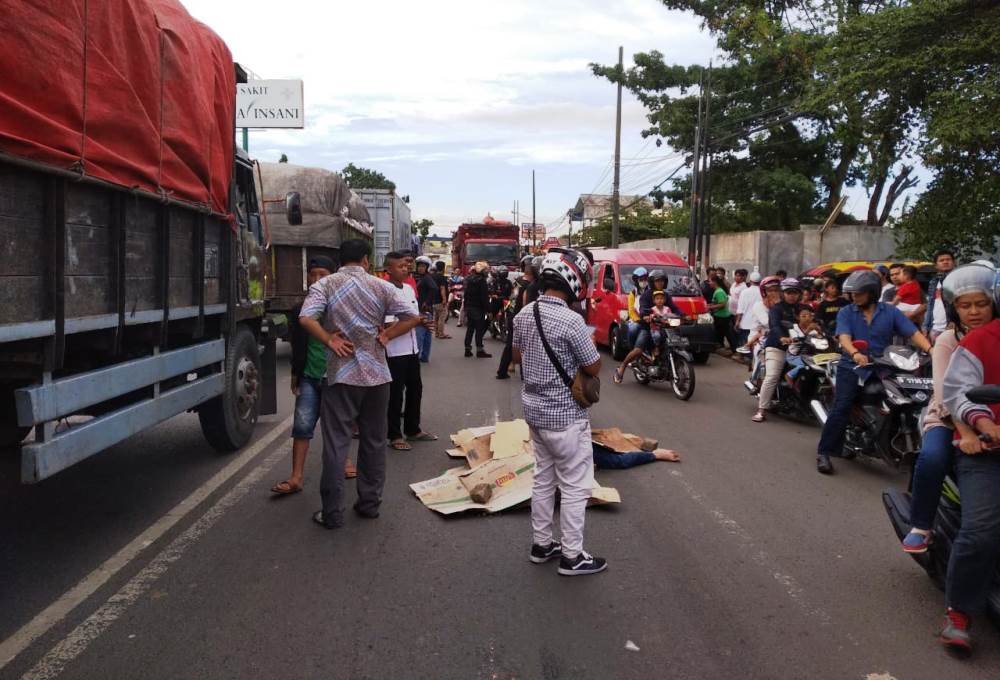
[{"x": 135, "y": 92}]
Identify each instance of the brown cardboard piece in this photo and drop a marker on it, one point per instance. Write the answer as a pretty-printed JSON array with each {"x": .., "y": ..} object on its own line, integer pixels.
[
  {"x": 510, "y": 438},
  {"x": 616, "y": 440}
]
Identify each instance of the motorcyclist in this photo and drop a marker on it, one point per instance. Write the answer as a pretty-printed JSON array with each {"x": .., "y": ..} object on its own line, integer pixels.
[
  {"x": 528, "y": 275},
  {"x": 974, "y": 551},
  {"x": 874, "y": 322},
  {"x": 781, "y": 318},
  {"x": 657, "y": 281},
  {"x": 640, "y": 280}
]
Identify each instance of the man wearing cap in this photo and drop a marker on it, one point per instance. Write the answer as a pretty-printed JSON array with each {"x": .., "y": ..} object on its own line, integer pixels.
[
  {"x": 749, "y": 297},
  {"x": 308, "y": 380}
]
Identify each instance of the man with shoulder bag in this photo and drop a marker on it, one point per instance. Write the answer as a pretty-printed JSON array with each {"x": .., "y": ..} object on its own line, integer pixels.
[{"x": 560, "y": 365}]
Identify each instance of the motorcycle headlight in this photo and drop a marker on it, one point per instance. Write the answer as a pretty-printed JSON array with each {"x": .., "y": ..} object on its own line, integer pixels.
[
  {"x": 904, "y": 361},
  {"x": 705, "y": 318},
  {"x": 674, "y": 323},
  {"x": 623, "y": 315}
]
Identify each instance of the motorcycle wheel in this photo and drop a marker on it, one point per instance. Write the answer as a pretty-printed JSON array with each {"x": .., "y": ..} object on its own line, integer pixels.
[{"x": 683, "y": 380}]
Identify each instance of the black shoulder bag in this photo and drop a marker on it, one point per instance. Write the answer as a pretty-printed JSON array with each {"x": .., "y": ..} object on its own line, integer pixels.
[{"x": 586, "y": 389}]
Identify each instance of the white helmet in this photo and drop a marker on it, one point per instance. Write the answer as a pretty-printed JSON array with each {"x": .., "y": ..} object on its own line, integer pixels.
[
  {"x": 978, "y": 277},
  {"x": 569, "y": 269},
  {"x": 423, "y": 259}
]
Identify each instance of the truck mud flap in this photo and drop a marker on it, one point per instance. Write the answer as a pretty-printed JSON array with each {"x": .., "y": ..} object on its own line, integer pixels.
[
  {"x": 41, "y": 405},
  {"x": 269, "y": 376}
]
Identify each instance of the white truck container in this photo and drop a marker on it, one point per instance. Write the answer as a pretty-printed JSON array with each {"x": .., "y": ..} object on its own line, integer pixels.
[{"x": 391, "y": 217}]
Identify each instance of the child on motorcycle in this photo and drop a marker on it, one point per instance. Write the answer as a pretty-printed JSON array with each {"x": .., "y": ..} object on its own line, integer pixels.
[
  {"x": 805, "y": 326},
  {"x": 659, "y": 315}
]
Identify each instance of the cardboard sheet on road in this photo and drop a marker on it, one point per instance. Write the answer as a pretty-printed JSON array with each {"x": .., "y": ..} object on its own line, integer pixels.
[{"x": 498, "y": 458}]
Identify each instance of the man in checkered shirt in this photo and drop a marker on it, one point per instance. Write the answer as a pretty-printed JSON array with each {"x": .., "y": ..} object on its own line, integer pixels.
[
  {"x": 560, "y": 428},
  {"x": 346, "y": 311}
]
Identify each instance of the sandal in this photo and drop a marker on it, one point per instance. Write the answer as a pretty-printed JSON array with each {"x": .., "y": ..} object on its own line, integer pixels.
[
  {"x": 423, "y": 437},
  {"x": 285, "y": 488},
  {"x": 400, "y": 445},
  {"x": 758, "y": 417},
  {"x": 619, "y": 375},
  {"x": 350, "y": 472}
]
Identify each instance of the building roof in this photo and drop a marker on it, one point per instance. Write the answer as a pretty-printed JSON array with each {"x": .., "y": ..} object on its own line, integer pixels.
[{"x": 596, "y": 206}]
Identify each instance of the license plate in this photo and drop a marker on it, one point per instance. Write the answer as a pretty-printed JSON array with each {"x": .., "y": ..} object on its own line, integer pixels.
[
  {"x": 826, "y": 358},
  {"x": 913, "y": 383}
]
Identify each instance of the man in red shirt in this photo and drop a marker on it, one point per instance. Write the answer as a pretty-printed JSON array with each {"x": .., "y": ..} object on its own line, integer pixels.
[{"x": 909, "y": 298}]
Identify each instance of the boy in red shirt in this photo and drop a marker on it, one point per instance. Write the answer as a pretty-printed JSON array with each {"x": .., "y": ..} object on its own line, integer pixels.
[{"x": 909, "y": 298}]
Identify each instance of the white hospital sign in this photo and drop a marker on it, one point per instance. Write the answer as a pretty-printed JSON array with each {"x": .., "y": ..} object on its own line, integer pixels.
[{"x": 270, "y": 104}]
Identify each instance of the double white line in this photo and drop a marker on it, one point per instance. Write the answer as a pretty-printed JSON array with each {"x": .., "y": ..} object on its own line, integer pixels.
[{"x": 78, "y": 640}]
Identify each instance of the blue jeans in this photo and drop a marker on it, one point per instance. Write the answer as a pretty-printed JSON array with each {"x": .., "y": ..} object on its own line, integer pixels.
[
  {"x": 633, "y": 333},
  {"x": 796, "y": 362},
  {"x": 974, "y": 552},
  {"x": 609, "y": 460},
  {"x": 831, "y": 442},
  {"x": 644, "y": 340},
  {"x": 307, "y": 405},
  {"x": 932, "y": 466},
  {"x": 424, "y": 338}
]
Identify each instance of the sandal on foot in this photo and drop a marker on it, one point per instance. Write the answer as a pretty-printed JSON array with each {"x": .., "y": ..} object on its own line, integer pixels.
[
  {"x": 350, "y": 472},
  {"x": 400, "y": 445},
  {"x": 285, "y": 488},
  {"x": 423, "y": 437},
  {"x": 619, "y": 375}
]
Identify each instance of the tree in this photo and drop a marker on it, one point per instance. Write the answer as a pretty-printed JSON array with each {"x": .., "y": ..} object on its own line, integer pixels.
[
  {"x": 423, "y": 227},
  {"x": 784, "y": 139},
  {"x": 637, "y": 223},
  {"x": 364, "y": 178},
  {"x": 283, "y": 159}
]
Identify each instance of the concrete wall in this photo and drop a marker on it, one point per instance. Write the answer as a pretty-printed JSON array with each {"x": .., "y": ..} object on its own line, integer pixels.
[{"x": 793, "y": 251}]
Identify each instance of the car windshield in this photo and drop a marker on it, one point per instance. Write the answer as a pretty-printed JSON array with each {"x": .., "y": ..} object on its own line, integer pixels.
[
  {"x": 494, "y": 253},
  {"x": 680, "y": 280}
]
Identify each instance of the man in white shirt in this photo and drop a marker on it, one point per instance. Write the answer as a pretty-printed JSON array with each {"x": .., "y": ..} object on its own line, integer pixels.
[
  {"x": 403, "y": 354},
  {"x": 748, "y": 297},
  {"x": 739, "y": 285}
]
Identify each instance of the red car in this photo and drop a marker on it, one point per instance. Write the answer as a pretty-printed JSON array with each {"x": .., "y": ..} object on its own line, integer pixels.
[{"x": 612, "y": 284}]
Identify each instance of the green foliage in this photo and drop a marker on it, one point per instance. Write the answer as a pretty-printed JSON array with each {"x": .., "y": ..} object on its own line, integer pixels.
[
  {"x": 422, "y": 227},
  {"x": 637, "y": 223},
  {"x": 283, "y": 159},
  {"x": 364, "y": 178}
]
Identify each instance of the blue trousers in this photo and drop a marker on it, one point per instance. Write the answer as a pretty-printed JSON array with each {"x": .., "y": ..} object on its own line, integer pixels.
[
  {"x": 424, "y": 338},
  {"x": 932, "y": 466},
  {"x": 974, "y": 552},
  {"x": 831, "y": 441},
  {"x": 609, "y": 460}
]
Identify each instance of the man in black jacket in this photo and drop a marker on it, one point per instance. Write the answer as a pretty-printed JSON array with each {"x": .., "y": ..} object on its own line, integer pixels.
[{"x": 477, "y": 306}]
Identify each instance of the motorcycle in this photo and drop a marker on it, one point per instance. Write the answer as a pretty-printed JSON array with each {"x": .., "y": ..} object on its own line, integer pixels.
[
  {"x": 499, "y": 321},
  {"x": 946, "y": 523},
  {"x": 674, "y": 361},
  {"x": 885, "y": 419},
  {"x": 455, "y": 298},
  {"x": 811, "y": 385}
]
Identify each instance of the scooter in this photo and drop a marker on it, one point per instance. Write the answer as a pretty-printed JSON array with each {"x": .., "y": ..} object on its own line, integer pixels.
[
  {"x": 811, "y": 384},
  {"x": 885, "y": 419},
  {"x": 947, "y": 521},
  {"x": 455, "y": 298},
  {"x": 674, "y": 361},
  {"x": 499, "y": 321}
]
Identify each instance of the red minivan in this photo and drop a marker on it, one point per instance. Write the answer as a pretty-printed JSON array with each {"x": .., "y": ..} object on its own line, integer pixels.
[{"x": 612, "y": 284}]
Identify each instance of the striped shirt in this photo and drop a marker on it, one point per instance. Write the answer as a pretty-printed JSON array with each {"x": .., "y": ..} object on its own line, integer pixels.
[
  {"x": 548, "y": 402},
  {"x": 356, "y": 304}
]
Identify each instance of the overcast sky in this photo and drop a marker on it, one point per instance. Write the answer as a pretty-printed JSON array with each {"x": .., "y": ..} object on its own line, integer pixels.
[{"x": 457, "y": 101}]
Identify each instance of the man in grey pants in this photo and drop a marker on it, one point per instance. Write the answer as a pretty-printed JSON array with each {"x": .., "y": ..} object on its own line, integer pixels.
[{"x": 353, "y": 305}]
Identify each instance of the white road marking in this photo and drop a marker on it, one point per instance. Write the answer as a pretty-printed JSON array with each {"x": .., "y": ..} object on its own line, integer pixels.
[
  {"x": 749, "y": 547},
  {"x": 53, "y": 663},
  {"x": 69, "y": 600}
]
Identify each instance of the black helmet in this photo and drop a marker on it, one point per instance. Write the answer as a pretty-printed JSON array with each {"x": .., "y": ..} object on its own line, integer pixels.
[
  {"x": 864, "y": 281},
  {"x": 657, "y": 274}
]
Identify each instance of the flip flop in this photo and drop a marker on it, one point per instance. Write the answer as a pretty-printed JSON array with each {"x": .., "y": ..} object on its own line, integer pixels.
[
  {"x": 423, "y": 437},
  {"x": 400, "y": 445},
  {"x": 285, "y": 488},
  {"x": 619, "y": 376}
]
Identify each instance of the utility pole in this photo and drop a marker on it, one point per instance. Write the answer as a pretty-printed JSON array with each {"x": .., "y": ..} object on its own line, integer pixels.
[
  {"x": 695, "y": 169},
  {"x": 706, "y": 193},
  {"x": 615, "y": 198},
  {"x": 534, "y": 233}
]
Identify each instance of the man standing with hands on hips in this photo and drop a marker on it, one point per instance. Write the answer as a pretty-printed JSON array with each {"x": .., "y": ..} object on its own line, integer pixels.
[
  {"x": 353, "y": 305},
  {"x": 548, "y": 331}
]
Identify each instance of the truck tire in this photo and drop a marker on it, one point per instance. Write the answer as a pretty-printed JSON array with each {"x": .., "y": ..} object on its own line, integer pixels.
[
  {"x": 11, "y": 434},
  {"x": 227, "y": 421}
]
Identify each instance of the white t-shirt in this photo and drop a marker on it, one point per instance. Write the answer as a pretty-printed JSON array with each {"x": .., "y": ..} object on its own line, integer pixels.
[
  {"x": 939, "y": 322},
  {"x": 734, "y": 296},
  {"x": 405, "y": 344},
  {"x": 758, "y": 317},
  {"x": 748, "y": 299}
]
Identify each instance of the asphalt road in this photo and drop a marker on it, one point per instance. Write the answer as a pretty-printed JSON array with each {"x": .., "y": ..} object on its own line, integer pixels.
[{"x": 739, "y": 562}]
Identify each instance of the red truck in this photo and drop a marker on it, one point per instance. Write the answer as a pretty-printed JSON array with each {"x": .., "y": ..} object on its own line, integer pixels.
[{"x": 491, "y": 241}]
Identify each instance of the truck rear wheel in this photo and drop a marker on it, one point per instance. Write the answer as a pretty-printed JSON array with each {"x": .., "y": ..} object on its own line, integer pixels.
[{"x": 228, "y": 420}]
